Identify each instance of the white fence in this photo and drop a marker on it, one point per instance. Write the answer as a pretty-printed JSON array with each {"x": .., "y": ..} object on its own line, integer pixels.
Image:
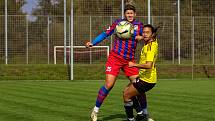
[{"x": 33, "y": 43}]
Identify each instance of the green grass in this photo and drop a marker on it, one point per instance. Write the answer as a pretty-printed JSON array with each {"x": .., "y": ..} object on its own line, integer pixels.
[
  {"x": 170, "y": 100},
  {"x": 97, "y": 71},
  {"x": 33, "y": 72}
]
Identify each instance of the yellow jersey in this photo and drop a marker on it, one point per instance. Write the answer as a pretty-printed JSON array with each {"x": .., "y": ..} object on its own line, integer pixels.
[{"x": 149, "y": 53}]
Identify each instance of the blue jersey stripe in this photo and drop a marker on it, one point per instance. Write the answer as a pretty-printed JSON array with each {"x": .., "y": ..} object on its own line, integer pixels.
[
  {"x": 133, "y": 42},
  {"x": 111, "y": 32},
  {"x": 141, "y": 29},
  {"x": 126, "y": 49},
  {"x": 120, "y": 47}
]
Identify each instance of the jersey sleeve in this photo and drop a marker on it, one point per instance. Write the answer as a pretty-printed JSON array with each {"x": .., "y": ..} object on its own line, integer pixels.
[
  {"x": 105, "y": 34},
  {"x": 111, "y": 28},
  {"x": 99, "y": 38}
]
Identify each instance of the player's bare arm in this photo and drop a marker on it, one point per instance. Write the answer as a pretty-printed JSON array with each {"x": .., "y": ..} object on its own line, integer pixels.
[{"x": 147, "y": 65}]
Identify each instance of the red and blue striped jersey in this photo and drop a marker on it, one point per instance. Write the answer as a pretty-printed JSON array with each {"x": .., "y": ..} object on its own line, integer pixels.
[{"x": 125, "y": 47}]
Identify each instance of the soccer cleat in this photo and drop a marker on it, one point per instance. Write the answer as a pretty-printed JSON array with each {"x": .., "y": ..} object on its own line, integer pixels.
[
  {"x": 94, "y": 116},
  {"x": 142, "y": 117},
  {"x": 149, "y": 119},
  {"x": 131, "y": 119}
]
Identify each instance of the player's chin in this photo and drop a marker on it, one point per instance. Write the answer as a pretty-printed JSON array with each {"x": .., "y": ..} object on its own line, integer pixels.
[
  {"x": 130, "y": 19},
  {"x": 146, "y": 39}
]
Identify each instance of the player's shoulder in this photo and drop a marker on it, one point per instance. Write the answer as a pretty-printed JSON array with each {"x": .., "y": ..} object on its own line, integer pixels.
[
  {"x": 137, "y": 22},
  {"x": 118, "y": 20},
  {"x": 154, "y": 44}
]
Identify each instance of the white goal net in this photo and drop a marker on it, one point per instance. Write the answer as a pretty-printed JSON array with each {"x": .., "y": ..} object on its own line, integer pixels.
[{"x": 81, "y": 54}]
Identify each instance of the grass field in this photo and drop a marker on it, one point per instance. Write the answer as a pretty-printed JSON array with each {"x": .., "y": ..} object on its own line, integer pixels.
[{"x": 170, "y": 100}]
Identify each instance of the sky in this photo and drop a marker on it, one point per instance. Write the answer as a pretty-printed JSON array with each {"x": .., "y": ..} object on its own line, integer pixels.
[{"x": 29, "y": 6}]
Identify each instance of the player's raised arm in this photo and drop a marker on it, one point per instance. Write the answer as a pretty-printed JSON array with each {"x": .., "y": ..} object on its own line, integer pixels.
[
  {"x": 102, "y": 35},
  {"x": 97, "y": 40}
]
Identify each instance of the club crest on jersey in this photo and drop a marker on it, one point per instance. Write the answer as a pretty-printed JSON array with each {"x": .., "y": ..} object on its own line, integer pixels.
[
  {"x": 135, "y": 27},
  {"x": 108, "y": 69},
  {"x": 108, "y": 29}
]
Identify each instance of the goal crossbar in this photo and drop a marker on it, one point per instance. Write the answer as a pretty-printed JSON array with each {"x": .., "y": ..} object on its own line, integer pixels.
[{"x": 55, "y": 50}]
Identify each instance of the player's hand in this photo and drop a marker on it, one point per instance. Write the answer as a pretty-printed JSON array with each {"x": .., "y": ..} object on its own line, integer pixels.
[
  {"x": 131, "y": 64},
  {"x": 138, "y": 37},
  {"x": 88, "y": 44}
]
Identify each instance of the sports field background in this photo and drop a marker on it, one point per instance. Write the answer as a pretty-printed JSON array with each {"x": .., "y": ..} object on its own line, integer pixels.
[
  {"x": 33, "y": 88},
  {"x": 170, "y": 100}
]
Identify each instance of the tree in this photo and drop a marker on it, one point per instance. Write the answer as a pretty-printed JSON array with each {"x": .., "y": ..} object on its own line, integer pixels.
[
  {"x": 13, "y": 6},
  {"x": 15, "y": 25}
]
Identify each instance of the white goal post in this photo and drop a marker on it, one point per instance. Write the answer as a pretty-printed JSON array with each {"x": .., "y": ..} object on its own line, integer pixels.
[{"x": 68, "y": 47}]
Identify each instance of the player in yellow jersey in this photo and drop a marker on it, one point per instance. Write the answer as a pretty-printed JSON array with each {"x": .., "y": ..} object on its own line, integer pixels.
[{"x": 147, "y": 71}]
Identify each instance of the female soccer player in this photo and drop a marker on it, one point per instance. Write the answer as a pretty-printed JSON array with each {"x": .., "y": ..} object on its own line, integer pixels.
[
  {"x": 122, "y": 53},
  {"x": 147, "y": 73}
]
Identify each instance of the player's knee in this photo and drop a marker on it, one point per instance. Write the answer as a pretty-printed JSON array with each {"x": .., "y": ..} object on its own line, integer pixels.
[
  {"x": 109, "y": 86},
  {"x": 126, "y": 96}
]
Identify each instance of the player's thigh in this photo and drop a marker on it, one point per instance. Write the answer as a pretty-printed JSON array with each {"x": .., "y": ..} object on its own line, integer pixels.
[
  {"x": 127, "y": 87},
  {"x": 132, "y": 78},
  {"x": 130, "y": 92}
]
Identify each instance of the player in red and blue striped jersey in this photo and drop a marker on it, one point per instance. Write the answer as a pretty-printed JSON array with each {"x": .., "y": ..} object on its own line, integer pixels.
[
  {"x": 121, "y": 47},
  {"x": 122, "y": 53}
]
